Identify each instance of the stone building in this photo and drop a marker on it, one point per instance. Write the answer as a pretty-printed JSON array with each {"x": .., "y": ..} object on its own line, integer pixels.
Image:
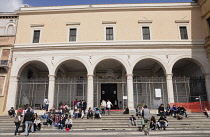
[
  {"x": 205, "y": 16},
  {"x": 8, "y": 22},
  {"x": 128, "y": 53}
]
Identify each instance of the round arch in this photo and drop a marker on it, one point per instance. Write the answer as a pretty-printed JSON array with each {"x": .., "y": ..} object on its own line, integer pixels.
[
  {"x": 112, "y": 58},
  {"x": 8, "y": 25},
  {"x": 59, "y": 63},
  {"x": 194, "y": 59},
  {"x": 156, "y": 59},
  {"x": 28, "y": 61}
]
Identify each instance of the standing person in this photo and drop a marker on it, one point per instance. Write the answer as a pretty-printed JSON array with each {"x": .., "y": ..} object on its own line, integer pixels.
[
  {"x": 103, "y": 107},
  {"x": 109, "y": 104},
  {"x": 84, "y": 106},
  {"x": 28, "y": 118},
  {"x": 46, "y": 103},
  {"x": 17, "y": 123},
  {"x": 146, "y": 117}
]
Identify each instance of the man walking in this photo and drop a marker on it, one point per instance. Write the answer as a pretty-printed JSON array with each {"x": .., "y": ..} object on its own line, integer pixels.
[
  {"x": 146, "y": 117},
  {"x": 109, "y": 104},
  {"x": 28, "y": 118}
]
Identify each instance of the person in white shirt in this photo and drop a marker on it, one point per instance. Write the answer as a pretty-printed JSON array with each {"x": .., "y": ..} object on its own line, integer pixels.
[
  {"x": 46, "y": 103},
  {"x": 68, "y": 123},
  {"x": 108, "y": 105}
]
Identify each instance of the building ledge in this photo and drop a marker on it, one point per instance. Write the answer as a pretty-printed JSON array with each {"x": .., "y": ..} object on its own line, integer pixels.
[{"x": 112, "y": 44}]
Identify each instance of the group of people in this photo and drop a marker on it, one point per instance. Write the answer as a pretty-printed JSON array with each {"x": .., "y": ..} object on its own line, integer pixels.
[
  {"x": 28, "y": 119},
  {"x": 147, "y": 122},
  {"x": 177, "y": 112}
]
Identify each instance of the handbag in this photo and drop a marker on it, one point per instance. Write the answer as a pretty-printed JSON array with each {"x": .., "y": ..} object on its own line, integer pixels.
[
  {"x": 16, "y": 120},
  {"x": 142, "y": 121}
]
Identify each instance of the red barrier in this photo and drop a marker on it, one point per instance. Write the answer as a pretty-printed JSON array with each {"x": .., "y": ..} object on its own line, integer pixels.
[{"x": 193, "y": 106}]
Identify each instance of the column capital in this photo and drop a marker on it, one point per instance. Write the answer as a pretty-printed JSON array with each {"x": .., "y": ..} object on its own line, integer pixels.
[
  {"x": 14, "y": 78},
  {"x": 169, "y": 76},
  {"x": 90, "y": 75},
  {"x": 51, "y": 77},
  {"x": 129, "y": 75}
]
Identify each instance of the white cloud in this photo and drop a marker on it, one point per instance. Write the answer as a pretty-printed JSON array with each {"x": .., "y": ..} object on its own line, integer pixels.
[{"x": 10, "y": 5}]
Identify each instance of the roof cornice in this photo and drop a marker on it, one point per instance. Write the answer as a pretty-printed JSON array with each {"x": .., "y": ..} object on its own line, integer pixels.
[{"x": 83, "y": 8}]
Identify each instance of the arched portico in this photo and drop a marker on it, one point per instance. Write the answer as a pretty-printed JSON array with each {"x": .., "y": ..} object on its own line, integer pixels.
[
  {"x": 70, "y": 82},
  {"x": 189, "y": 79},
  {"x": 110, "y": 82},
  {"x": 31, "y": 84},
  {"x": 149, "y": 82}
]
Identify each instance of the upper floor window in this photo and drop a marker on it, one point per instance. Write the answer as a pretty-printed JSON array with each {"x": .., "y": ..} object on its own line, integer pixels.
[
  {"x": 109, "y": 33},
  {"x": 208, "y": 22},
  {"x": 36, "y": 36},
  {"x": 73, "y": 34},
  {"x": 183, "y": 32},
  {"x": 146, "y": 33}
]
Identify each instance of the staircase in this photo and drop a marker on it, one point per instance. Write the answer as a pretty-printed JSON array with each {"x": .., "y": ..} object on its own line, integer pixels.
[{"x": 119, "y": 122}]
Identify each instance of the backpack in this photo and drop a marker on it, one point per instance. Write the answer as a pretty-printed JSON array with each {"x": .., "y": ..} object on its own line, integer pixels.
[{"x": 16, "y": 120}]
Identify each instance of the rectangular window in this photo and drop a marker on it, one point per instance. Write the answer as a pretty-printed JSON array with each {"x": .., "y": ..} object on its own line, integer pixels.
[
  {"x": 183, "y": 32},
  {"x": 73, "y": 34},
  {"x": 36, "y": 36},
  {"x": 146, "y": 33},
  {"x": 109, "y": 33},
  {"x": 208, "y": 22}
]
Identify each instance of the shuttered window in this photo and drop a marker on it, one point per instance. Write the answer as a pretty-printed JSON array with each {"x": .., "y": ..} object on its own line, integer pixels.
[
  {"x": 183, "y": 32},
  {"x": 36, "y": 36},
  {"x": 109, "y": 33},
  {"x": 146, "y": 33},
  {"x": 73, "y": 34}
]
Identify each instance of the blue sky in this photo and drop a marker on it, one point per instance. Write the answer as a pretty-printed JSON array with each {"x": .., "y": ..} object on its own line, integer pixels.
[{"x": 35, "y": 3}]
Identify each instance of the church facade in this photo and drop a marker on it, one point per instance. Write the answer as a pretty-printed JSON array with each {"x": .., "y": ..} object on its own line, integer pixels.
[{"x": 129, "y": 54}]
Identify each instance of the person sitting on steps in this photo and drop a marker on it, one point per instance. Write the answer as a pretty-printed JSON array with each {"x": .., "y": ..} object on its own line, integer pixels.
[
  {"x": 161, "y": 110},
  {"x": 152, "y": 123},
  {"x": 90, "y": 113},
  {"x": 162, "y": 123},
  {"x": 126, "y": 110},
  {"x": 97, "y": 113},
  {"x": 132, "y": 121}
]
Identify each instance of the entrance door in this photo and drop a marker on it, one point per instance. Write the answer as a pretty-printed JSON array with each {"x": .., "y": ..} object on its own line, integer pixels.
[{"x": 109, "y": 92}]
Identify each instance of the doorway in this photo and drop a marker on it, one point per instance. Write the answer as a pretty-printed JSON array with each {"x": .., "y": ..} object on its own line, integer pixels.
[{"x": 109, "y": 92}]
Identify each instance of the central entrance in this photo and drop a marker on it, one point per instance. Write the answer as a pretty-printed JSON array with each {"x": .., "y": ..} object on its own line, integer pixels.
[
  {"x": 109, "y": 92},
  {"x": 110, "y": 83}
]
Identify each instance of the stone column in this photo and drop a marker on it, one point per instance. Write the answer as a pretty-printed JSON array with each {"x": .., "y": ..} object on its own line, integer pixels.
[
  {"x": 170, "y": 89},
  {"x": 130, "y": 92},
  {"x": 51, "y": 90},
  {"x": 207, "y": 80},
  {"x": 12, "y": 93},
  {"x": 90, "y": 91}
]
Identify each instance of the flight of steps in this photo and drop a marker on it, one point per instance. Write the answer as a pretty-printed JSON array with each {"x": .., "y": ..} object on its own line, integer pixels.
[{"x": 118, "y": 122}]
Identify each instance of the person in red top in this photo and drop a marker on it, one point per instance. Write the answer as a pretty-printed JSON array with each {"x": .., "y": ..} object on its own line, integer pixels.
[
  {"x": 21, "y": 111},
  {"x": 75, "y": 102}
]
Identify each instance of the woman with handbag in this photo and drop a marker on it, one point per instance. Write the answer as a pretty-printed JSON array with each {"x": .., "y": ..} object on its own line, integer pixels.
[{"x": 17, "y": 122}]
